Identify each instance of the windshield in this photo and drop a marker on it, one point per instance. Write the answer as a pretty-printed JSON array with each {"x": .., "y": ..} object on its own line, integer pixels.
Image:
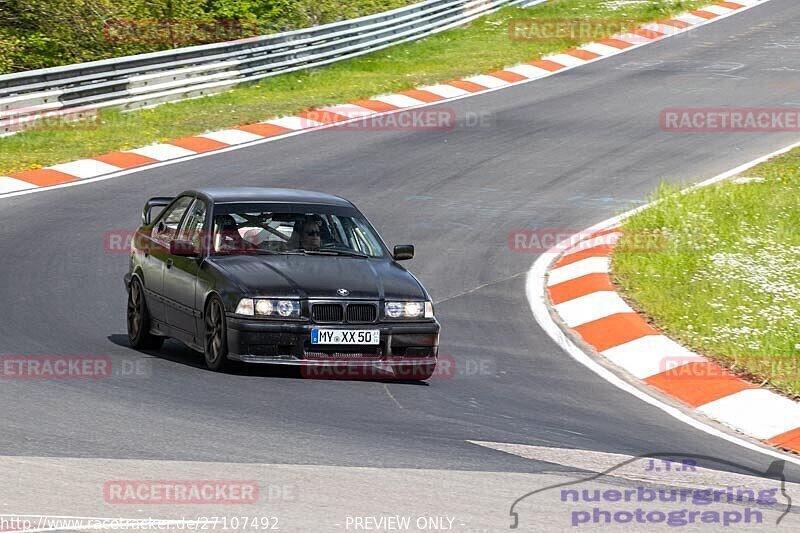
[{"x": 264, "y": 230}]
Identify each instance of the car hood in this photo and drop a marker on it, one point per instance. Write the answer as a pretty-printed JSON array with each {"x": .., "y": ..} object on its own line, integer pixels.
[{"x": 311, "y": 276}]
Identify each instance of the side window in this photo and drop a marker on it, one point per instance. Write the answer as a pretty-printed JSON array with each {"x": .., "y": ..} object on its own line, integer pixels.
[
  {"x": 192, "y": 229},
  {"x": 167, "y": 226}
]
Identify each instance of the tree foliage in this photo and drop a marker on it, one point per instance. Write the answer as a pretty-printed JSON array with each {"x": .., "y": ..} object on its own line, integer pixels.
[{"x": 45, "y": 33}]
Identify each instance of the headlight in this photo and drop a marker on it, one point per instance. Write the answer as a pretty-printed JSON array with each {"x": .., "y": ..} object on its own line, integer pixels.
[
  {"x": 288, "y": 308},
  {"x": 264, "y": 307},
  {"x": 406, "y": 310},
  {"x": 268, "y": 308}
]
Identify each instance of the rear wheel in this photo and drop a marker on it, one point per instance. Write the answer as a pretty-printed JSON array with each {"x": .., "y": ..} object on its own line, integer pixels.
[
  {"x": 216, "y": 336},
  {"x": 139, "y": 320}
]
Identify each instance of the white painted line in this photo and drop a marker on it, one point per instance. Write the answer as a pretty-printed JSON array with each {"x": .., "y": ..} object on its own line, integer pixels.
[
  {"x": 398, "y": 100},
  {"x": 486, "y": 80},
  {"x": 591, "y": 307},
  {"x": 162, "y": 152},
  {"x": 85, "y": 168},
  {"x": 688, "y": 18},
  {"x": 634, "y": 468},
  {"x": 650, "y": 355},
  {"x": 590, "y": 265},
  {"x": 760, "y": 413},
  {"x": 446, "y": 91},
  {"x": 232, "y": 136},
  {"x": 566, "y": 60},
  {"x": 294, "y": 123},
  {"x": 529, "y": 71},
  {"x": 12, "y": 185},
  {"x": 717, "y": 10},
  {"x": 602, "y": 49},
  {"x": 349, "y": 110}
]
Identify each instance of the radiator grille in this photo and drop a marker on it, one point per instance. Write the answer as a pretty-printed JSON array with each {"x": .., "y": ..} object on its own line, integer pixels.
[
  {"x": 327, "y": 313},
  {"x": 351, "y": 313},
  {"x": 361, "y": 313}
]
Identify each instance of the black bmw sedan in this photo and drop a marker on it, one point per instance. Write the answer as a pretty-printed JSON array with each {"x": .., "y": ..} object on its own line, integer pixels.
[{"x": 278, "y": 276}]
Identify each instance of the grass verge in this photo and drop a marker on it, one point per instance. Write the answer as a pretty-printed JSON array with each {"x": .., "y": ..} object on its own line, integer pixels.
[
  {"x": 482, "y": 46},
  {"x": 725, "y": 279}
]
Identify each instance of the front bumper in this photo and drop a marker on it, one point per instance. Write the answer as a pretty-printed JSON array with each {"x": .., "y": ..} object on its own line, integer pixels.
[{"x": 289, "y": 343}]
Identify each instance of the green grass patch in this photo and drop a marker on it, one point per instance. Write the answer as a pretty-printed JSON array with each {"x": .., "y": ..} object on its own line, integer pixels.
[
  {"x": 725, "y": 279},
  {"x": 479, "y": 47}
]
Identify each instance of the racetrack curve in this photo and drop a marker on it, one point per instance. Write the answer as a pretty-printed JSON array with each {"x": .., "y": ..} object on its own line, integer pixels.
[{"x": 560, "y": 153}]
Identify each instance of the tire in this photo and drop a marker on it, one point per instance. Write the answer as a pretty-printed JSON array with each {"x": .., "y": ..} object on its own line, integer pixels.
[
  {"x": 215, "y": 338},
  {"x": 139, "y": 334}
]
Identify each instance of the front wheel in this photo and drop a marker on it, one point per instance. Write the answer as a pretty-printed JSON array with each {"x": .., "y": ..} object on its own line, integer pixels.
[
  {"x": 139, "y": 320},
  {"x": 216, "y": 336}
]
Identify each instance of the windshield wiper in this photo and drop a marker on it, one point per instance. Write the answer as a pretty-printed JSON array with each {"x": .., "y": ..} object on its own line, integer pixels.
[
  {"x": 346, "y": 253},
  {"x": 244, "y": 252},
  {"x": 265, "y": 252}
]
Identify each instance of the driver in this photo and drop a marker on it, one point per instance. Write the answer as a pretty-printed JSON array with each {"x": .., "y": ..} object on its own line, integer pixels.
[{"x": 310, "y": 234}]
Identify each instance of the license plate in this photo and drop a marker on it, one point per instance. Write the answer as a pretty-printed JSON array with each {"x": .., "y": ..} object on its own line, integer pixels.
[{"x": 345, "y": 336}]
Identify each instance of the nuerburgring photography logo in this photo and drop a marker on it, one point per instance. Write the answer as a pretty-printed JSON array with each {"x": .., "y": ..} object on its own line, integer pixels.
[{"x": 663, "y": 489}]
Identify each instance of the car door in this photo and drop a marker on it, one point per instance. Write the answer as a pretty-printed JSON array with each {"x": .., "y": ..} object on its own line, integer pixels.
[
  {"x": 180, "y": 274},
  {"x": 153, "y": 265}
]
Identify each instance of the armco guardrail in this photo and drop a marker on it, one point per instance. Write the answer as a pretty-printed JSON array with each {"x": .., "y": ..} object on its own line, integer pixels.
[{"x": 145, "y": 80}]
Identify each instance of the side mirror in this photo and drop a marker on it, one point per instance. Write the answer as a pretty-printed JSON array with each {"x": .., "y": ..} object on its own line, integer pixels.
[
  {"x": 182, "y": 248},
  {"x": 403, "y": 252},
  {"x": 158, "y": 201}
]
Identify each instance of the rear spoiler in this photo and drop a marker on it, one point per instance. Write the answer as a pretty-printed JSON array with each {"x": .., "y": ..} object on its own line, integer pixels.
[{"x": 158, "y": 201}]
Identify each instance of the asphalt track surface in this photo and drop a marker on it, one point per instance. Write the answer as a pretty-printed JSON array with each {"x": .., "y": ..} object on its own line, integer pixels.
[{"x": 561, "y": 153}]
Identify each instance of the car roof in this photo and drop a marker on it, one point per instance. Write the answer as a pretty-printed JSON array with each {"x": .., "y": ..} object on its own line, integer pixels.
[{"x": 267, "y": 194}]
